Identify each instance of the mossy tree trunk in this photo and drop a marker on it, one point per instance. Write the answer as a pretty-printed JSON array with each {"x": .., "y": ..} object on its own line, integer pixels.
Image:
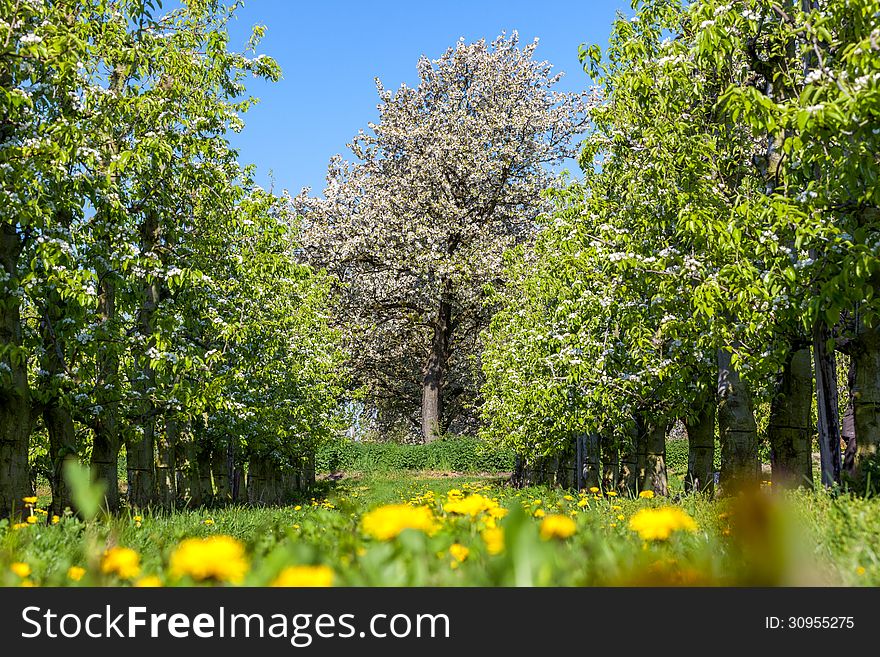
[
  {"x": 865, "y": 395},
  {"x": 700, "y": 427},
  {"x": 653, "y": 470},
  {"x": 737, "y": 429},
  {"x": 790, "y": 428}
]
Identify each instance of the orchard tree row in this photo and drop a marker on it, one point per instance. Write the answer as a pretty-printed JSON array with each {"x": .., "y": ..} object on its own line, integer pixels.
[
  {"x": 150, "y": 297},
  {"x": 717, "y": 263}
]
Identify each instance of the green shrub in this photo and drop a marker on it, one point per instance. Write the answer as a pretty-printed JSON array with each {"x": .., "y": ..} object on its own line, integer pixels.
[{"x": 456, "y": 454}]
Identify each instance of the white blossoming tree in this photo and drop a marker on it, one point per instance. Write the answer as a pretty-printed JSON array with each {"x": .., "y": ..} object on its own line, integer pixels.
[{"x": 415, "y": 227}]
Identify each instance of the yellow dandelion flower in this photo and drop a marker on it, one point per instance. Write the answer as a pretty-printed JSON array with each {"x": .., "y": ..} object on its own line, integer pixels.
[
  {"x": 26, "y": 583},
  {"x": 32, "y": 520},
  {"x": 19, "y": 525},
  {"x": 137, "y": 518},
  {"x": 621, "y": 517},
  {"x": 659, "y": 524},
  {"x": 29, "y": 500},
  {"x": 149, "y": 582},
  {"x": 297, "y": 508},
  {"x": 539, "y": 513},
  {"x": 123, "y": 562},
  {"x": 494, "y": 540},
  {"x": 583, "y": 502},
  {"x": 860, "y": 570},
  {"x": 615, "y": 507},
  {"x": 497, "y": 512},
  {"x": 56, "y": 520},
  {"x": 220, "y": 558},
  {"x": 75, "y": 573},
  {"x": 386, "y": 522},
  {"x": 459, "y": 552},
  {"x": 556, "y": 526},
  {"x": 21, "y": 569},
  {"x": 41, "y": 512},
  {"x": 611, "y": 493},
  {"x": 305, "y": 576},
  {"x": 647, "y": 494},
  {"x": 472, "y": 505},
  {"x": 594, "y": 489},
  {"x": 208, "y": 521}
]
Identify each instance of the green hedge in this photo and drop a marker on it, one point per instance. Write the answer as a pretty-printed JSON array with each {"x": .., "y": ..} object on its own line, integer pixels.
[
  {"x": 677, "y": 456},
  {"x": 458, "y": 454}
]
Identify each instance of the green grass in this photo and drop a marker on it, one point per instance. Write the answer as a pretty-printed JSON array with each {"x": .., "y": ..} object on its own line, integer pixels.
[{"x": 801, "y": 538}]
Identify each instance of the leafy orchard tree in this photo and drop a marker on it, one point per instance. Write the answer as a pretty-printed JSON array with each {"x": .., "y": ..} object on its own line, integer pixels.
[
  {"x": 415, "y": 227},
  {"x": 125, "y": 216},
  {"x": 40, "y": 47},
  {"x": 731, "y": 210}
]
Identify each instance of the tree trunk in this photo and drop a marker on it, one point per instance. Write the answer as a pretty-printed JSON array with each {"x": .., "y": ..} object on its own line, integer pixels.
[
  {"x": 203, "y": 457},
  {"x": 866, "y": 408},
  {"x": 627, "y": 483},
  {"x": 790, "y": 429},
  {"x": 220, "y": 474},
  {"x": 826, "y": 405},
  {"x": 700, "y": 429},
  {"x": 189, "y": 487},
  {"x": 848, "y": 427},
  {"x": 736, "y": 428},
  {"x": 15, "y": 403},
  {"x": 56, "y": 415},
  {"x": 610, "y": 462},
  {"x": 166, "y": 465},
  {"x": 654, "y": 469},
  {"x": 435, "y": 369}
]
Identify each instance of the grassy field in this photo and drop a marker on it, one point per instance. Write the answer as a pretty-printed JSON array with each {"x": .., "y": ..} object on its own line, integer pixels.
[{"x": 442, "y": 529}]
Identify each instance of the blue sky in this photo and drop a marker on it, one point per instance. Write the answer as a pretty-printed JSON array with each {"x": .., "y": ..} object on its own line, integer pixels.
[{"x": 331, "y": 51}]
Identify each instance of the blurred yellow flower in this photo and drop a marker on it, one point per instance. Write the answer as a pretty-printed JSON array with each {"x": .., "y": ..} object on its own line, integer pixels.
[
  {"x": 494, "y": 540},
  {"x": 208, "y": 521},
  {"x": 121, "y": 561},
  {"x": 32, "y": 520},
  {"x": 149, "y": 582},
  {"x": 539, "y": 513},
  {"x": 29, "y": 500},
  {"x": 621, "y": 517},
  {"x": 19, "y": 525},
  {"x": 568, "y": 498},
  {"x": 217, "y": 557},
  {"x": 647, "y": 494},
  {"x": 611, "y": 493},
  {"x": 594, "y": 489},
  {"x": 21, "y": 569},
  {"x": 472, "y": 505},
  {"x": 583, "y": 502},
  {"x": 75, "y": 573},
  {"x": 614, "y": 507},
  {"x": 386, "y": 522},
  {"x": 557, "y": 527},
  {"x": 56, "y": 520},
  {"x": 658, "y": 524},
  {"x": 297, "y": 508},
  {"x": 459, "y": 552},
  {"x": 860, "y": 570},
  {"x": 497, "y": 512},
  {"x": 305, "y": 576},
  {"x": 137, "y": 518}
]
